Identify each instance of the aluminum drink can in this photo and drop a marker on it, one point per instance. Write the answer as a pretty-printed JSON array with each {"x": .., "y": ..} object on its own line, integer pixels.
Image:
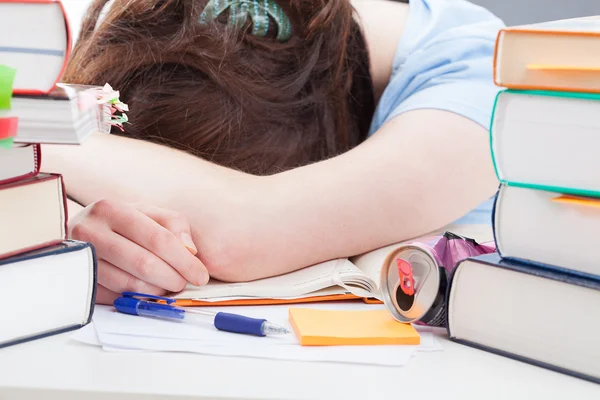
[{"x": 427, "y": 302}]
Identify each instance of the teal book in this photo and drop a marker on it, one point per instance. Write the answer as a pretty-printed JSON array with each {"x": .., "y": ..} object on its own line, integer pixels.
[{"x": 547, "y": 141}]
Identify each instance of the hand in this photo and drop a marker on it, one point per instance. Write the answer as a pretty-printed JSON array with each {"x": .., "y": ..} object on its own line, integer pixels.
[{"x": 140, "y": 248}]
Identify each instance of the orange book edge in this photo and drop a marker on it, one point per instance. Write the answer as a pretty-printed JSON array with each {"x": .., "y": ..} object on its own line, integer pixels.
[
  {"x": 266, "y": 302},
  {"x": 503, "y": 31}
]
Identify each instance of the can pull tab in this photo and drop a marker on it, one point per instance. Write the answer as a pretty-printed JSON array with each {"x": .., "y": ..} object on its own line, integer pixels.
[{"x": 405, "y": 273}]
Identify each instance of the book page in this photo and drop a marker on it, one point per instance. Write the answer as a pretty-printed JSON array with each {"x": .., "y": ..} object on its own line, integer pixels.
[
  {"x": 292, "y": 285},
  {"x": 330, "y": 291}
]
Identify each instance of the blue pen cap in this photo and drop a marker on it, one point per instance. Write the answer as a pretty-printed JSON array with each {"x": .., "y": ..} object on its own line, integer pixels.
[
  {"x": 130, "y": 303},
  {"x": 127, "y": 305}
]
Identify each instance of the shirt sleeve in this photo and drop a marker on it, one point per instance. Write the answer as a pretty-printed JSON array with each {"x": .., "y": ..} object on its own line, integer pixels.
[{"x": 444, "y": 61}]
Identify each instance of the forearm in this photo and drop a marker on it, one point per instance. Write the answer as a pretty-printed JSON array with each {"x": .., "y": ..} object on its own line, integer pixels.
[
  {"x": 117, "y": 168},
  {"x": 422, "y": 171},
  {"x": 419, "y": 172}
]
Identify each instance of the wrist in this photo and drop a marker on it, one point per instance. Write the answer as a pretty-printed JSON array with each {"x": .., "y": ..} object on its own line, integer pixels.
[{"x": 233, "y": 229}]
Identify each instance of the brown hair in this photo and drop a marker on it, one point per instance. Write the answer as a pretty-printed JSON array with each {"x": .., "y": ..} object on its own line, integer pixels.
[{"x": 242, "y": 101}]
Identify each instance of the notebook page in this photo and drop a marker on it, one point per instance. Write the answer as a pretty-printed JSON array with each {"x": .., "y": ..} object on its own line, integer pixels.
[{"x": 295, "y": 284}]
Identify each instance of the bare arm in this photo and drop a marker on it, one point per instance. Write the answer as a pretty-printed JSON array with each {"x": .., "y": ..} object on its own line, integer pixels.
[{"x": 421, "y": 171}]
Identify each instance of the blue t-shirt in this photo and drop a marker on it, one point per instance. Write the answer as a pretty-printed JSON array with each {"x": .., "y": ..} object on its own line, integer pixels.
[{"x": 444, "y": 62}]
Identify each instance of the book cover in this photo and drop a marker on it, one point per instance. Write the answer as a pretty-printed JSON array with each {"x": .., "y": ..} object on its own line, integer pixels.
[
  {"x": 19, "y": 162},
  {"x": 535, "y": 315},
  {"x": 544, "y": 230},
  {"x": 546, "y": 140},
  {"x": 36, "y": 214},
  {"x": 555, "y": 55},
  {"x": 35, "y": 39},
  {"x": 55, "y": 288}
]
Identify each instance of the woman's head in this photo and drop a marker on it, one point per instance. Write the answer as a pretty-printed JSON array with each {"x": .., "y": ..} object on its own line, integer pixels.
[{"x": 245, "y": 101}]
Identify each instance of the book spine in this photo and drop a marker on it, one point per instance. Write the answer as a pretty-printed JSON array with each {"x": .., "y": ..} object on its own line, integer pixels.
[
  {"x": 64, "y": 204},
  {"x": 94, "y": 283},
  {"x": 494, "y": 225},
  {"x": 497, "y": 49}
]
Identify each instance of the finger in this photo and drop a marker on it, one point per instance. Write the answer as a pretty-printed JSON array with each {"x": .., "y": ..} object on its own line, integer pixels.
[
  {"x": 161, "y": 242},
  {"x": 172, "y": 221},
  {"x": 105, "y": 296},
  {"x": 119, "y": 281},
  {"x": 137, "y": 262},
  {"x": 129, "y": 256}
]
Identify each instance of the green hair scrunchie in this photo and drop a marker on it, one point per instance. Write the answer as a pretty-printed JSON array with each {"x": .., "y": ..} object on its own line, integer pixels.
[{"x": 259, "y": 11}]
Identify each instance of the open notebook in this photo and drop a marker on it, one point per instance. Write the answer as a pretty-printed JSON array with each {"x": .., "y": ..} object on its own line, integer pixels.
[{"x": 339, "y": 279}]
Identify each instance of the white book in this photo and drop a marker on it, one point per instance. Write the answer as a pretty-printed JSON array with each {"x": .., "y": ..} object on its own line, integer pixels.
[
  {"x": 46, "y": 292},
  {"x": 541, "y": 316},
  {"x": 548, "y": 140},
  {"x": 554, "y": 55},
  {"x": 548, "y": 228},
  {"x": 33, "y": 214},
  {"x": 34, "y": 40},
  {"x": 60, "y": 117},
  {"x": 19, "y": 162}
]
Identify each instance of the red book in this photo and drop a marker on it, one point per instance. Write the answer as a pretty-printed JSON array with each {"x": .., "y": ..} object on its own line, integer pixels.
[
  {"x": 35, "y": 40},
  {"x": 33, "y": 212},
  {"x": 20, "y": 162}
]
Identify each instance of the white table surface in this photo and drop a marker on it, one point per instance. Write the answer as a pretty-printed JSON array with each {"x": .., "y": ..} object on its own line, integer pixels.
[{"x": 60, "y": 368}]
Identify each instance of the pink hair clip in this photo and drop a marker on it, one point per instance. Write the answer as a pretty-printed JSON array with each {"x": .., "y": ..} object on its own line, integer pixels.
[{"x": 109, "y": 99}]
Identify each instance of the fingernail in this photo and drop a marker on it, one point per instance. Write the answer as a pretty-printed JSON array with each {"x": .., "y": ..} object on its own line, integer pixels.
[
  {"x": 189, "y": 243},
  {"x": 203, "y": 279}
]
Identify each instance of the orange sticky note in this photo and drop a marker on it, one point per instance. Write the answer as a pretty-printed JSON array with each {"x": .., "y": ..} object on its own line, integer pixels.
[
  {"x": 582, "y": 201},
  {"x": 346, "y": 328}
]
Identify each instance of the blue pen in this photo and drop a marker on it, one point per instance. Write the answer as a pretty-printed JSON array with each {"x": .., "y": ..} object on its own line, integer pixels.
[{"x": 134, "y": 304}]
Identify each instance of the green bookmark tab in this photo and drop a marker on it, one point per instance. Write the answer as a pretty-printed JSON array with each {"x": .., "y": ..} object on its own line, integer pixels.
[
  {"x": 6, "y": 143},
  {"x": 7, "y": 78}
]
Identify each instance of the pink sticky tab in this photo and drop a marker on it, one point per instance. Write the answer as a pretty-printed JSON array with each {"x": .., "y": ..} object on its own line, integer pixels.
[{"x": 8, "y": 127}]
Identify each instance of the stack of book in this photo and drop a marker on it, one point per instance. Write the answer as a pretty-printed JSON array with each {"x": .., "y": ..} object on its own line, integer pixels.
[
  {"x": 47, "y": 283},
  {"x": 538, "y": 298}
]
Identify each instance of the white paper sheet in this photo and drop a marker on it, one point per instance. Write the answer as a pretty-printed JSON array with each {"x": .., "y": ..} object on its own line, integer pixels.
[{"x": 118, "y": 332}]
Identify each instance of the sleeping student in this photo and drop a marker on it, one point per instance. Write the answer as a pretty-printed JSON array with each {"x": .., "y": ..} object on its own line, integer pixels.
[{"x": 265, "y": 136}]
